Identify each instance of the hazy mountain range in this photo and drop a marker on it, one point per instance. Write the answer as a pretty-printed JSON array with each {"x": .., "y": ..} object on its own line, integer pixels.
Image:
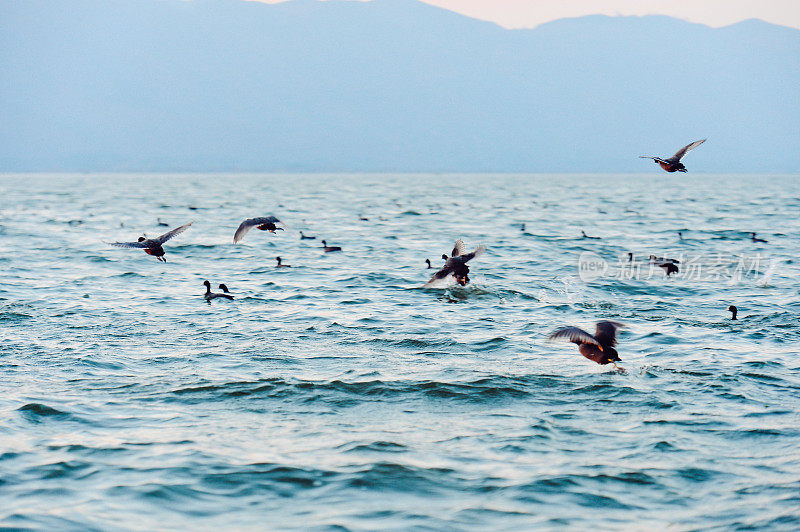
[{"x": 387, "y": 85}]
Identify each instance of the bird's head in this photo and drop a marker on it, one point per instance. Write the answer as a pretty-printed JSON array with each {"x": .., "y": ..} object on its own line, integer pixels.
[
  {"x": 223, "y": 287},
  {"x": 611, "y": 355},
  {"x": 444, "y": 256},
  {"x": 141, "y": 239},
  {"x": 207, "y": 284}
]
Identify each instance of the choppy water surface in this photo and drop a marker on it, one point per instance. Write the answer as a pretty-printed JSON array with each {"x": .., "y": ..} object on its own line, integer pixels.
[{"x": 339, "y": 394}]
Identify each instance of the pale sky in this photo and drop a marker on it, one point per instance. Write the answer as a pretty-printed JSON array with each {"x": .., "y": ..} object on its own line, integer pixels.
[{"x": 531, "y": 13}]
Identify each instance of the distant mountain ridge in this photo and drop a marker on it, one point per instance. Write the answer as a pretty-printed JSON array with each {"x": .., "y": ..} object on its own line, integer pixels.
[{"x": 387, "y": 85}]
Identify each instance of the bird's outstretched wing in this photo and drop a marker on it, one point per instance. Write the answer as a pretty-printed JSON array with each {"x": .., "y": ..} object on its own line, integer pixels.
[
  {"x": 683, "y": 151},
  {"x": 178, "y": 230},
  {"x": 574, "y": 334},
  {"x": 669, "y": 267},
  {"x": 441, "y": 274},
  {"x": 458, "y": 249},
  {"x": 248, "y": 224},
  {"x": 133, "y": 245},
  {"x": 477, "y": 253},
  {"x": 606, "y": 332}
]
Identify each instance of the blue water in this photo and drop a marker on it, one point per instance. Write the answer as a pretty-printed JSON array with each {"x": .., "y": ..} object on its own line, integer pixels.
[{"x": 337, "y": 394}]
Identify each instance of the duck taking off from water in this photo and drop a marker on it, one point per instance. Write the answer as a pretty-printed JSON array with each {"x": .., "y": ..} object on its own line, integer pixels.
[
  {"x": 153, "y": 246},
  {"x": 670, "y": 265},
  {"x": 264, "y": 223},
  {"x": 674, "y": 164},
  {"x": 598, "y": 348},
  {"x": 456, "y": 264},
  {"x": 209, "y": 295}
]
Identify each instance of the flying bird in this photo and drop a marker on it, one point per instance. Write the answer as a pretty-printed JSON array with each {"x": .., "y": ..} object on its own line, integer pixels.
[
  {"x": 152, "y": 246},
  {"x": 263, "y": 223},
  {"x": 674, "y": 164},
  {"x": 456, "y": 264},
  {"x": 670, "y": 265},
  {"x": 598, "y": 348}
]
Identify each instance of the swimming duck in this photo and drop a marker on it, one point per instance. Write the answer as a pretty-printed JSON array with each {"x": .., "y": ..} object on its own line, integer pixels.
[
  {"x": 456, "y": 264},
  {"x": 328, "y": 248},
  {"x": 264, "y": 223},
  {"x": 304, "y": 237},
  {"x": 584, "y": 235},
  {"x": 280, "y": 264},
  {"x": 754, "y": 239},
  {"x": 223, "y": 287},
  {"x": 674, "y": 164},
  {"x": 152, "y": 246},
  {"x": 209, "y": 295},
  {"x": 598, "y": 348},
  {"x": 428, "y": 262},
  {"x": 630, "y": 257},
  {"x": 733, "y": 310},
  {"x": 159, "y": 223},
  {"x": 680, "y": 235}
]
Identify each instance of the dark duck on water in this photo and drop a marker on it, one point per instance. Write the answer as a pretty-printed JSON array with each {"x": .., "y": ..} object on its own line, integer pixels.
[
  {"x": 329, "y": 249},
  {"x": 153, "y": 246},
  {"x": 674, "y": 164},
  {"x": 209, "y": 295},
  {"x": 456, "y": 264},
  {"x": 598, "y": 348}
]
